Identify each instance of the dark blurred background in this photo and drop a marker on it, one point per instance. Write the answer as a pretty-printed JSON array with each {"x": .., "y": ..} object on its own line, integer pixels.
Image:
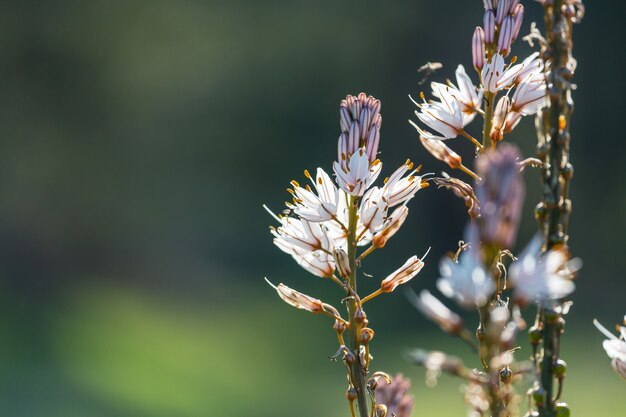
[{"x": 139, "y": 140}]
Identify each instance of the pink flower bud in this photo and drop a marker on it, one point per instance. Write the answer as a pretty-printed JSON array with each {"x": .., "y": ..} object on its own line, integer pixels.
[
  {"x": 441, "y": 151},
  {"x": 478, "y": 48},
  {"x": 489, "y": 23},
  {"x": 499, "y": 118},
  {"x": 502, "y": 10},
  {"x": 518, "y": 18},
  {"x": 506, "y": 36}
]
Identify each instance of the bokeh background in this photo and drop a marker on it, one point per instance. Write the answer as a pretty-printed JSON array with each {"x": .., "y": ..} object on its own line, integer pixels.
[{"x": 138, "y": 141}]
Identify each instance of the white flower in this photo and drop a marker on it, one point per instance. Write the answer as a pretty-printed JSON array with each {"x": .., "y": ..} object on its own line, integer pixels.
[
  {"x": 307, "y": 242},
  {"x": 373, "y": 209},
  {"x": 531, "y": 65},
  {"x": 435, "y": 310},
  {"x": 403, "y": 274},
  {"x": 542, "y": 278},
  {"x": 615, "y": 347},
  {"x": 467, "y": 281},
  {"x": 358, "y": 175},
  {"x": 467, "y": 95},
  {"x": 316, "y": 207},
  {"x": 530, "y": 95},
  {"x": 499, "y": 118},
  {"x": 399, "y": 188},
  {"x": 496, "y": 77},
  {"x": 445, "y": 117}
]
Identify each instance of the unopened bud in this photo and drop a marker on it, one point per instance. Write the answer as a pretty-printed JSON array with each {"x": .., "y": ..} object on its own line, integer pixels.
[
  {"x": 349, "y": 357},
  {"x": 502, "y": 10},
  {"x": 501, "y": 196},
  {"x": 539, "y": 396},
  {"x": 342, "y": 262},
  {"x": 489, "y": 23},
  {"x": 499, "y": 119},
  {"x": 512, "y": 120},
  {"x": 381, "y": 410},
  {"x": 359, "y": 315},
  {"x": 488, "y": 4},
  {"x": 559, "y": 369},
  {"x": 478, "y": 49},
  {"x": 351, "y": 394},
  {"x": 394, "y": 222},
  {"x": 339, "y": 326},
  {"x": 442, "y": 152},
  {"x": 298, "y": 300},
  {"x": 518, "y": 19},
  {"x": 505, "y": 375},
  {"x": 403, "y": 274},
  {"x": 561, "y": 409},
  {"x": 506, "y": 36}
]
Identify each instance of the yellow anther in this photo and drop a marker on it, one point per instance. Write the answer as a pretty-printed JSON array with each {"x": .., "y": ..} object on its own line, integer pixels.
[
  {"x": 386, "y": 180},
  {"x": 319, "y": 180},
  {"x": 290, "y": 191},
  {"x": 294, "y": 183},
  {"x": 419, "y": 168},
  {"x": 422, "y": 96},
  {"x": 307, "y": 174},
  {"x": 307, "y": 187},
  {"x": 514, "y": 59},
  {"x": 410, "y": 166},
  {"x": 408, "y": 161}
]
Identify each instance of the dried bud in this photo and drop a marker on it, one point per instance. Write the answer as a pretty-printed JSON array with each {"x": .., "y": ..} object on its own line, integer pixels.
[
  {"x": 506, "y": 375},
  {"x": 367, "y": 334},
  {"x": 441, "y": 151},
  {"x": 506, "y": 36},
  {"x": 393, "y": 224},
  {"x": 463, "y": 190},
  {"x": 297, "y": 299},
  {"x": 501, "y": 195},
  {"x": 478, "y": 49},
  {"x": 499, "y": 119},
  {"x": 342, "y": 262},
  {"x": 359, "y": 315},
  {"x": 396, "y": 396},
  {"x": 402, "y": 275},
  {"x": 489, "y": 23},
  {"x": 436, "y": 311},
  {"x": 381, "y": 410},
  {"x": 351, "y": 394}
]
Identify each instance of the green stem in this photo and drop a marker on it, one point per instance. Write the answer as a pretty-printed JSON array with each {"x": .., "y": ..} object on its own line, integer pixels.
[
  {"x": 488, "y": 109},
  {"x": 358, "y": 373}
]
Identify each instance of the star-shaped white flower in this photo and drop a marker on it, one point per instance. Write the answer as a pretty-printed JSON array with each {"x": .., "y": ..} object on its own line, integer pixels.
[
  {"x": 615, "y": 347},
  {"x": 467, "y": 281}
]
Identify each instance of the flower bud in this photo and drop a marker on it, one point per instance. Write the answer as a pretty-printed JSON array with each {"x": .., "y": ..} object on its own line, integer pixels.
[
  {"x": 518, "y": 19},
  {"x": 478, "y": 49},
  {"x": 506, "y": 36},
  {"x": 488, "y": 4},
  {"x": 402, "y": 275},
  {"x": 342, "y": 262},
  {"x": 351, "y": 394},
  {"x": 539, "y": 396},
  {"x": 393, "y": 224},
  {"x": 381, "y": 410},
  {"x": 442, "y": 152},
  {"x": 501, "y": 195},
  {"x": 502, "y": 10},
  {"x": 559, "y": 368},
  {"x": 367, "y": 334},
  {"x": 489, "y": 24},
  {"x": 499, "y": 119},
  {"x": 395, "y": 396},
  {"x": 463, "y": 190},
  {"x": 561, "y": 409},
  {"x": 298, "y": 300},
  {"x": 359, "y": 315}
]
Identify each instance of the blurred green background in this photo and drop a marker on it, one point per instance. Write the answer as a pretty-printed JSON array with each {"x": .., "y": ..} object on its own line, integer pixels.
[{"x": 138, "y": 142}]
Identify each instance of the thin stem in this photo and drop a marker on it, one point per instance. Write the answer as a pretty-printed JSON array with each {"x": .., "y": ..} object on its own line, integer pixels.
[
  {"x": 488, "y": 99},
  {"x": 469, "y": 172},
  {"x": 366, "y": 253},
  {"x": 372, "y": 295},
  {"x": 358, "y": 373},
  {"x": 472, "y": 139}
]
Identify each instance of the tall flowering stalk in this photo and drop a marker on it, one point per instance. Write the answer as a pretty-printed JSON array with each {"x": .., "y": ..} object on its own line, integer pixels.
[
  {"x": 552, "y": 213},
  {"x": 479, "y": 276},
  {"x": 331, "y": 226}
]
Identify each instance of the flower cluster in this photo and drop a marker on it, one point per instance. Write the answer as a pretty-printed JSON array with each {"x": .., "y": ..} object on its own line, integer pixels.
[{"x": 328, "y": 219}]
